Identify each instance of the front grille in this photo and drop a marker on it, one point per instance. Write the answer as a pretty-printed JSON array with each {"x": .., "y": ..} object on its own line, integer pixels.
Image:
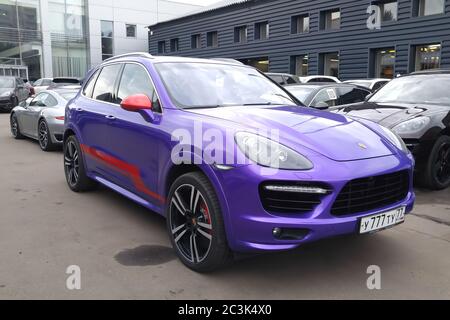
[
  {"x": 290, "y": 202},
  {"x": 367, "y": 194}
]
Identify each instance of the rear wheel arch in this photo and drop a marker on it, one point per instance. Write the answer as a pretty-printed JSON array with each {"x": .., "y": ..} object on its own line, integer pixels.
[{"x": 68, "y": 133}]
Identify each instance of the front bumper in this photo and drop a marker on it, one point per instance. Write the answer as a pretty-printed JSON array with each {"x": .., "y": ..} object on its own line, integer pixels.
[
  {"x": 56, "y": 128},
  {"x": 6, "y": 104},
  {"x": 250, "y": 227}
]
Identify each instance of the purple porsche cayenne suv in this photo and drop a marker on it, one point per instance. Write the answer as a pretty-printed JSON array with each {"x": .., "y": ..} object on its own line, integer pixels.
[{"x": 144, "y": 126}]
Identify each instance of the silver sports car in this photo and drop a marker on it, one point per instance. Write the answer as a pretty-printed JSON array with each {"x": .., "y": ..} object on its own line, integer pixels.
[{"x": 42, "y": 118}]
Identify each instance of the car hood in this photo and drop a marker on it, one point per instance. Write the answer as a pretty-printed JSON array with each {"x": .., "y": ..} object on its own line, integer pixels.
[
  {"x": 5, "y": 90},
  {"x": 389, "y": 114},
  {"x": 335, "y": 136}
]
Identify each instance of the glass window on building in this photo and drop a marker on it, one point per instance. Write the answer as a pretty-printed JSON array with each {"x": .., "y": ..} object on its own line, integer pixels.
[
  {"x": 428, "y": 57},
  {"x": 330, "y": 20},
  {"x": 161, "y": 47},
  {"x": 330, "y": 64},
  {"x": 68, "y": 31},
  {"x": 388, "y": 10},
  {"x": 262, "y": 30},
  {"x": 260, "y": 63},
  {"x": 212, "y": 39},
  {"x": 131, "y": 30},
  {"x": 300, "y": 24},
  {"x": 384, "y": 63},
  {"x": 195, "y": 41},
  {"x": 299, "y": 65},
  {"x": 429, "y": 7},
  {"x": 107, "y": 30},
  {"x": 240, "y": 34},
  {"x": 174, "y": 45},
  {"x": 20, "y": 39}
]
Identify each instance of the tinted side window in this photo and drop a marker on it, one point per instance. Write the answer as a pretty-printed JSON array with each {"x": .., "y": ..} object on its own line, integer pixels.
[
  {"x": 351, "y": 95},
  {"x": 378, "y": 85},
  {"x": 39, "y": 101},
  {"x": 277, "y": 79},
  {"x": 290, "y": 80},
  {"x": 104, "y": 86},
  {"x": 50, "y": 101},
  {"x": 89, "y": 88},
  {"x": 135, "y": 80},
  {"x": 326, "y": 97}
]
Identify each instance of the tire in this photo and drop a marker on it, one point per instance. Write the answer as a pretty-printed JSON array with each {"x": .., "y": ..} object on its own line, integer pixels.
[
  {"x": 15, "y": 129},
  {"x": 74, "y": 167},
  {"x": 436, "y": 175},
  {"x": 44, "y": 137},
  {"x": 15, "y": 102},
  {"x": 201, "y": 244}
]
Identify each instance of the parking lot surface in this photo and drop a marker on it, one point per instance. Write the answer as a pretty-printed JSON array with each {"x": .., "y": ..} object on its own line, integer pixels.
[{"x": 123, "y": 250}]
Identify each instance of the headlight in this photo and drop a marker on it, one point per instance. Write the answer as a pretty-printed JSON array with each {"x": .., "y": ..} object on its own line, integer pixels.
[
  {"x": 5, "y": 94},
  {"x": 268, "y": 153},
  {"x": 412, "y": 126},
  {"x": 395, "y": 139}
]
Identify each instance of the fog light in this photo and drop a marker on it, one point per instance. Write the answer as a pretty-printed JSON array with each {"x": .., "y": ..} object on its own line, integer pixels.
[{"x": 277, "y": 232}]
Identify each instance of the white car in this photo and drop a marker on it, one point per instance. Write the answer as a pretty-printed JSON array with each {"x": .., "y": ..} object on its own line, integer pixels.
[
  {"x": 42, "y": 84},
  {"x": 322, "y": 79},
  {"x": 287, "y": 79},
  {"x": 372, "y": 84}
]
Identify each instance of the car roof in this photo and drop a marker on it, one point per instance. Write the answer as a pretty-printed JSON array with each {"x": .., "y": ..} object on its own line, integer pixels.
[
  {"x": 371, "y": 80},
  {"x": 434, "y": 71},
  {"x": 321, "y": 85},
  {"x": 279, "y": 74}
]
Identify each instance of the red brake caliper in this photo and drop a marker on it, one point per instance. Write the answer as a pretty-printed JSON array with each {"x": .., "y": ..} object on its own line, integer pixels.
[{"x": 204, "y": 210}]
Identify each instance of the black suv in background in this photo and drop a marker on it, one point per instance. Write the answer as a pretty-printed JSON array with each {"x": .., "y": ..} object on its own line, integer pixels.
[
  {"x": 417, "y": 108},
  {"x": 12, "y": 92}
]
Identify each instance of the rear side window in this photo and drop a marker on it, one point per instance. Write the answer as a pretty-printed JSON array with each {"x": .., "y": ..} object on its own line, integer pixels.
[
  {"x": 290, "y": 80},
  {"x": 89, "y": 88},
  {"x": 50, "y": 101},
  {"x": 135, "y": 80},
  {"x": 277, "y": 79},
  {"x": 104, "y": 86},
  {"x": 351, "y": 95}
]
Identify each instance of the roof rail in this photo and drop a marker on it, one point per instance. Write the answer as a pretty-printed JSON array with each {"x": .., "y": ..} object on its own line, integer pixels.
[{"x": 131, "y": 54}]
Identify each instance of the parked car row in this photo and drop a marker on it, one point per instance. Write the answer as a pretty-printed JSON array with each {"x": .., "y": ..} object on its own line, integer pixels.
[{"x": 328, "y": 173}]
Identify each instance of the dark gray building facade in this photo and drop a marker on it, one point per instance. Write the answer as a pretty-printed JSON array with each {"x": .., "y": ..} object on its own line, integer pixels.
[{"x": 345, "y": 38}]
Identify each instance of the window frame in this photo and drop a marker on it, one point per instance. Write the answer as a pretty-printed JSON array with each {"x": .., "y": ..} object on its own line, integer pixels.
[
  {"x": 134, "y": 26},
  {"x": 197, "y": 39},
  {"x": 210, "y": 35},
  {"x": 97, "y": 73},
  {"x": 258, "y": 27},
  {"x": 295, "y": 23},
  {"x": 325, "y": 23},
  {"x": 237, "y": 34}
]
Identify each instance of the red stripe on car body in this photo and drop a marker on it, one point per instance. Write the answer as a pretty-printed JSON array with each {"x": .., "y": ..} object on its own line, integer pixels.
[{"x": 128, "y": 169}]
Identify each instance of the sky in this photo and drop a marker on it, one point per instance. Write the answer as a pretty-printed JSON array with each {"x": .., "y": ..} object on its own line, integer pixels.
[{"x": 199, "y": 2}]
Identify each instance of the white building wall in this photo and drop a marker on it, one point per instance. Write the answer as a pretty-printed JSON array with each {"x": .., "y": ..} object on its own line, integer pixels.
[{"x": 122, "y": 12}]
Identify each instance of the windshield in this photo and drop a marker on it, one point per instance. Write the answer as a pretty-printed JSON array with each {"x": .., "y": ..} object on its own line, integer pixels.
[
  {"x": 421, "y": 89},
  {"x": 6, "y": 83},
  {"x": 203, "y": 85},
  {"x": 301, "y": 93},
  {"x": 361, "y": 83}
]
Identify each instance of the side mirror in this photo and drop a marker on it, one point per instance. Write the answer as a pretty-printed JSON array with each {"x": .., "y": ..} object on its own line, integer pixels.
[
  {"x": 136, "y": 103},
  {"x": 139, "y": 103}
]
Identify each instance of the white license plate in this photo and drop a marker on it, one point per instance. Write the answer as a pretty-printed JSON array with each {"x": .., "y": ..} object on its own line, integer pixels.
[{"x": 382, "y": 220}]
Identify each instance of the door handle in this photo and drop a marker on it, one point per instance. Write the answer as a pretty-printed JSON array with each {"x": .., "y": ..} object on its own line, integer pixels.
[
  {"x": 79, "y": 109},
  {"x": 110, "y": 117}
]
